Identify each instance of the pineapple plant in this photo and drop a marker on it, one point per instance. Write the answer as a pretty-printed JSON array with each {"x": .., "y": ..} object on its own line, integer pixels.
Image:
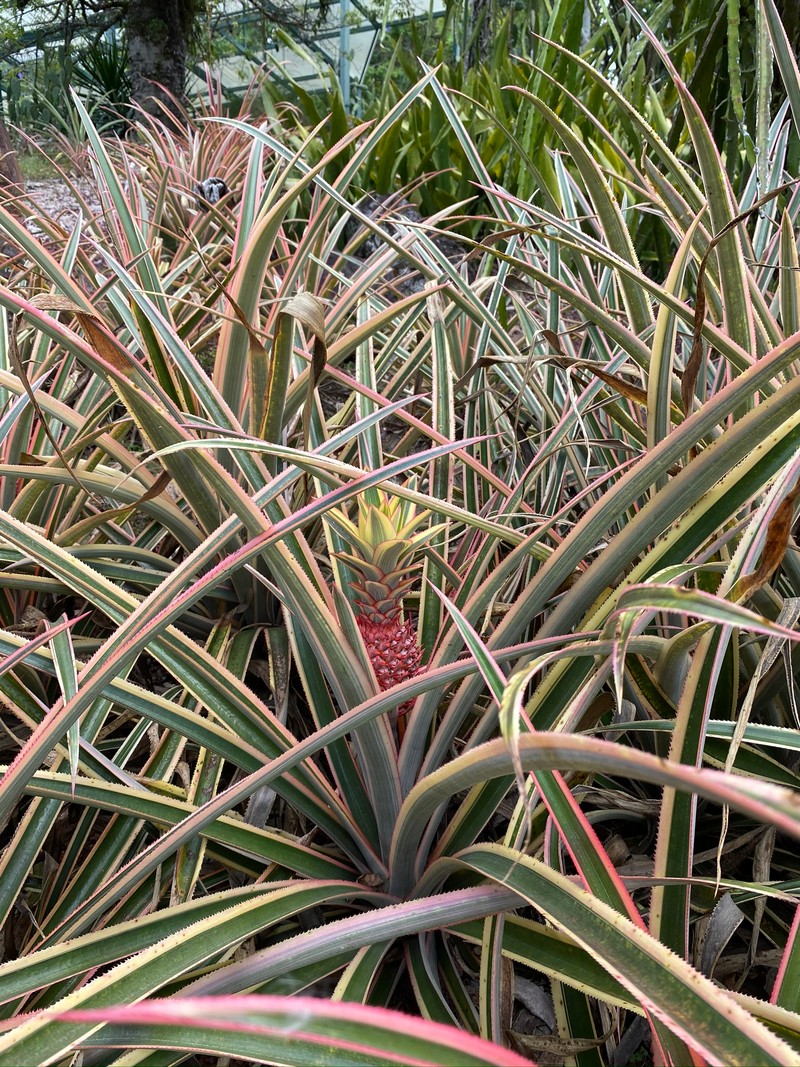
[{"x": 380, "y": 558}]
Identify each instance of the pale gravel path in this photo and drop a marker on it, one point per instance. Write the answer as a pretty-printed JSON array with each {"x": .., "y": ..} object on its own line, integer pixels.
[{"x": 55, "y": 198}]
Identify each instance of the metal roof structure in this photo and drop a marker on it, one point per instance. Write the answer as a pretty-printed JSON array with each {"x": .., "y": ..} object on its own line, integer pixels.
[{"x": 342, "y": 41}]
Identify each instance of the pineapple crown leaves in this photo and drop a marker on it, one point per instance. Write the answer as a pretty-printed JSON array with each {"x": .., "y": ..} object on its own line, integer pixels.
[
  {"x": 387, "y": 535},
  {"x": 381, "y": 547},
  {"x": 384, "y": 566}
]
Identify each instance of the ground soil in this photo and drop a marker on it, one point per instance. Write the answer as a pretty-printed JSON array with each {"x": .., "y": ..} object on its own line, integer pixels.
[{"x": 57, "y": 200}]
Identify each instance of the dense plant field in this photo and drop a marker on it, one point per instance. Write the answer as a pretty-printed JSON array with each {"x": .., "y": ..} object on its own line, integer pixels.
[{"x": 398, "y": 610}]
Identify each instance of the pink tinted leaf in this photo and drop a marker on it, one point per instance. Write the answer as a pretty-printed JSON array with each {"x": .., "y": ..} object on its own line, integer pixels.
[
  {"x": 14, "y": 658},
  {"x": 388, "y": 1036}
]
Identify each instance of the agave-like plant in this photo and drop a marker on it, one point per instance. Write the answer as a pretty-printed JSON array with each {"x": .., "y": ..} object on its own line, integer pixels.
[{"x": 205, "y": 792}]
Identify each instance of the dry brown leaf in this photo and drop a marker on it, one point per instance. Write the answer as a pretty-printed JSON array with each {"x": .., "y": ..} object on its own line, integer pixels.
[{"x": 775, "y": 544}]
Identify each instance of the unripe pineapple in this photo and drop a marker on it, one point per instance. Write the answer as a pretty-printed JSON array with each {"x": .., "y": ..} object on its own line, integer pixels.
[{"x": 380, "y": 557}]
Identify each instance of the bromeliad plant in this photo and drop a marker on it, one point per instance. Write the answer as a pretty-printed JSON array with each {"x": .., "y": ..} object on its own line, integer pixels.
[
  {"x": 225, "y": 458},
  {"x": 380, "y": 559}
]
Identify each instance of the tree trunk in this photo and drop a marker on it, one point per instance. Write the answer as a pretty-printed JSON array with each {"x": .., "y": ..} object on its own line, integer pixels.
[
  {"x": 158, "y": 32},
  {"x": 10, "y": 174},
  {"x": 478, "y": 15}
]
